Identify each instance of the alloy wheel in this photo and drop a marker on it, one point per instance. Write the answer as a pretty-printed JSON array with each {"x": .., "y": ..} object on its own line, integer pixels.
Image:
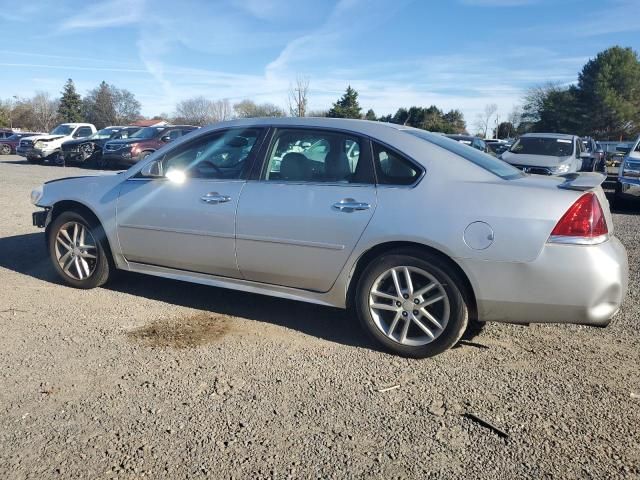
[
  {"x": 76, "y": 250},
  {"x": 409, "y": 305},
  {"x": 5, "y": 149}
]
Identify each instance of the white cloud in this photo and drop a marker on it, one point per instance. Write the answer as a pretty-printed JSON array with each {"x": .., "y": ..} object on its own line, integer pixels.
[{"x": 112, "y": 13}]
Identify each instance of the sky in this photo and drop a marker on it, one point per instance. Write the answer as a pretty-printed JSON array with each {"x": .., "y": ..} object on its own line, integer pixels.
[{"x": 460, "y": 54}]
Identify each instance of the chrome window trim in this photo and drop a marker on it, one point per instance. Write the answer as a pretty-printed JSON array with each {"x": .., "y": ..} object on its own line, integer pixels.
[{"x": 565, "y": 240}]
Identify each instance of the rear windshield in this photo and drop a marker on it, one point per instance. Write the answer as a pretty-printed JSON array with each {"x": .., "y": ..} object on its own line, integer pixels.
[
  {"x": 494, "y": 165},
  {"x": 554, "y": 147}
]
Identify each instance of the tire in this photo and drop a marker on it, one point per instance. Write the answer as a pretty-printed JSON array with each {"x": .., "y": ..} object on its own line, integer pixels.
[
  {"x": 451, "y": 312},
  {"x": 99, "y": 268},
  {"x": 34, "y": 161},
  {"x": 144, "y": 155},
  {"x": 5, "y": 149}
]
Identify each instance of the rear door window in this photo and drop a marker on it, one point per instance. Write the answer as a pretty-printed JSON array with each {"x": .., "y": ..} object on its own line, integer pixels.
[{"x": 392, "y": 168}]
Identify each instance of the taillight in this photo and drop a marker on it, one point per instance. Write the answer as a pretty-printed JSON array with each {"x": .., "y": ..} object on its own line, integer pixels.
[{"x": 583, "y": 223}]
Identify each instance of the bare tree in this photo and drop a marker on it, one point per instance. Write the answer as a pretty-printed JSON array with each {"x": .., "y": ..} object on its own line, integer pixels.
[
  {"x": 202, "y": 111},
  {"x": 483, "y": 119},
  {"x": 298, "y": 100},
  {"x": 221, "y": 110},
  {"x": 250, "y": 109},
  {"x": 515, "y": 117},
  {"x": 45, "y": 111}
]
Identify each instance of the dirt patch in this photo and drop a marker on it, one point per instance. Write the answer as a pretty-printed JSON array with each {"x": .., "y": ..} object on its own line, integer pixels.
[{"x": 184, "y": 332}]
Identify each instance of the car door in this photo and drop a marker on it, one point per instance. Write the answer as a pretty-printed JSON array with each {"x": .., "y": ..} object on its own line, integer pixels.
[
  {"x": 186, "y": 219},
  {"x": 300, "y": 220}
]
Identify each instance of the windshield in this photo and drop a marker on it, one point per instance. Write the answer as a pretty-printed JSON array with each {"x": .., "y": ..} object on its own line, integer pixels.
[
  {"x": 62, "y": 130},
  {"x": 483, "y": 160},
  {"x": 104, "y": 133},
  {"x": 147, "y": 132},
  {"x": 553, "y": 147}
]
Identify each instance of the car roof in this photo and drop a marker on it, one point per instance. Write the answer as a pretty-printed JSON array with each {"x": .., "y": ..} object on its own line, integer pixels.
[
  {"x": 566, "y": 136},
  {"x": 462, "y": 137}
]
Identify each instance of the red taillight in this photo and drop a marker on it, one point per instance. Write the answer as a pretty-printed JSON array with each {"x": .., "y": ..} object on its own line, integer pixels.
[{"x": 584, "y": 219}]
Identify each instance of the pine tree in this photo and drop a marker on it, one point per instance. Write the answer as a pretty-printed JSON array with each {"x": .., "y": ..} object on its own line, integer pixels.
[
  {"x": 370, "y": 115},
  {"x": 70, "y": 108},
  {"x": 347, "y": 106},
  {"x": 99, "y": 106}
]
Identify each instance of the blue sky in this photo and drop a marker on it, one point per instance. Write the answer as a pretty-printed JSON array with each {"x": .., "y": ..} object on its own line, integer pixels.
[{"x": 454, "y": 54}]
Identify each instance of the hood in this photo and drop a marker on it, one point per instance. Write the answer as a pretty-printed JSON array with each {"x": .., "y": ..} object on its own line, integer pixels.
[
  {"x": 78, "y": 141},
  {"x": 43, "y": 137},
  {"x": 129, "y": 141},
  {"x": 533, "y": 160}
]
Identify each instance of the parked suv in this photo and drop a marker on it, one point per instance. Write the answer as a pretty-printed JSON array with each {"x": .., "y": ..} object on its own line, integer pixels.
[
  {"x": 546, "y": 153},
  {"x": 9, "y": 144},
  {"x": 628, "y": 183},
  {"x": 141, "y": 144},
  {"x": 595, "y": 162},
  {"x": 6, "y": 133},
  {"x": 90, "y": 148},
  {"x": 475, "y": 142},
  {"x": 43, "y": 147}
]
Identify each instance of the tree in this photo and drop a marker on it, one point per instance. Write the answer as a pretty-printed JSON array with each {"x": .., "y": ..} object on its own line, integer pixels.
[
  {"x": 347, "y": 106},
  {"x": 505, "y": 130},
  {"x": 609, "y": 85},
  {"x": 483, "y": 120},
  {"x": 70, "y": 107},
  {"x": 298, "y": 100},
  {"x": 249, "y": 109},
  {"x": 99, "y": 106},
  {"x": 454, "y": 122},
  {"x": 370, "y": 115},
  {"x": 126, "y": 106},
  {"x": 552, "y": 108},
  {"x": 45, "y": 111},
  {"x": 202, "y": 111}
]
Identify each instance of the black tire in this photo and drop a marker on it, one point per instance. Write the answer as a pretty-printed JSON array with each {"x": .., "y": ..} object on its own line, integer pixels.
[
  {"x": 144, "y": 155},
  {"x": 5, "y": 149},
  {"x": 33, "y": 160},
  {"x": 449, "y": 281},
  {"x": 103, "y": 268}
]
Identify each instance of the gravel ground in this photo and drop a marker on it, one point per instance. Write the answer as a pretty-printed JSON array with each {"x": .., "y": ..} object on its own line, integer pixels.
[{"x": 157, "y": 378}]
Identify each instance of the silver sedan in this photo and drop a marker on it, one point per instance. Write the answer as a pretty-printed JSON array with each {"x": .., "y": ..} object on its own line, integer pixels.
[{"x": 420, "y": 234}]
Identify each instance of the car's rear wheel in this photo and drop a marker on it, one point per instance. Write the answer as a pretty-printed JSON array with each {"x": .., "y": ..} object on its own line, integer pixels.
[
  {"x": 77, "y": 247},
  {"x": 411, "y": 303},
  {"x": 5, "y": 149}
]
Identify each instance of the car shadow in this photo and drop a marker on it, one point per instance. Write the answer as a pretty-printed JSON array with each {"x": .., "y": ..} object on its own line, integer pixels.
[{"x": 27, "y": 254}]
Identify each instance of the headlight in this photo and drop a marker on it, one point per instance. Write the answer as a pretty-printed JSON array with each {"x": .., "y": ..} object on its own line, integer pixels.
[
  {"x": 36, "y": 195},
  {"x": 564, "y": 168},
  {"x": 39, "y": 144}
]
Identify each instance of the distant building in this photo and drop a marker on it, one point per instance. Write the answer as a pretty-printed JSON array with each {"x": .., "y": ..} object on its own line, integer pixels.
[{"x": 154, "y": 122}]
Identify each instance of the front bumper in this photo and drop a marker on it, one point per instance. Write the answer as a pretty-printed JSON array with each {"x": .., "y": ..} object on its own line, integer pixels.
[
  {"x": 120, "y": 157},
  {"x": 628, "y": 188},
  {"x": 581, "y": 284},
  {"x": 32, "y": 152},
  {"x": 40, "y": 218}
]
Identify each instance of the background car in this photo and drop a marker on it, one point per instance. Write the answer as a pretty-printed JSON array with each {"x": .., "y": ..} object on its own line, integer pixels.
[
  {"x": 628, "y": 182},
  {"x": 546, "y": 153},
  {"x": 382, "y": 232},
  {"x": 47, "y": 147},
  {"x": 90, "y": 148},
  {"x": 595, "y": 161},
  {"x": 496, "y": 146},
  {"x": 141, "y": 144},
  {"x": 6, "y": 133},
  {"x": 9, "y": 144},
  {"x": 475, "y": 142}
]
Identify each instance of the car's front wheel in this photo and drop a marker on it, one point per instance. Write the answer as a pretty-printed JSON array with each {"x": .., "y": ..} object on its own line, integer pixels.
[
  {"x": 77, "y": 247},
  {"x": 5, "y": 149},
  {"x": 411, "y": 303}
]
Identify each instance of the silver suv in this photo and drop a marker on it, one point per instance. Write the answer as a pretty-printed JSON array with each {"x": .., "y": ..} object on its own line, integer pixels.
[{"x": 418, "y": 233}]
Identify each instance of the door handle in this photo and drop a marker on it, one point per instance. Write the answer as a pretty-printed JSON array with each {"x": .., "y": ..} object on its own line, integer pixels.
[
  {"x": 214, "y": 198},
  {"x": 349, "y": 205}
]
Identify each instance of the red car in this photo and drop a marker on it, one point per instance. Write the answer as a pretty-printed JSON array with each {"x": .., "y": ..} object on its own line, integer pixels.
[
  {"x": 8, "y": 145},
  {"x": 127, "y": 151}
]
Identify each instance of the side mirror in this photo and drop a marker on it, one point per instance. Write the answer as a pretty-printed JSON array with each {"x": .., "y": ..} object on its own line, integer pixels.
[
  {"x": 165, "y": 138},
  {"x": 152, "y": 170}
]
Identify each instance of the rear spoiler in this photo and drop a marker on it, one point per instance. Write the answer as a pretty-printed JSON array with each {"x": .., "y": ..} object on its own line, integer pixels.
[{"x": 582, "y": 181}]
